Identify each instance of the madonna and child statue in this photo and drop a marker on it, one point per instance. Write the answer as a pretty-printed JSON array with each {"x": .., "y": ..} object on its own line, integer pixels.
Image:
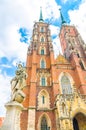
[{"x": 18, "y": 83}]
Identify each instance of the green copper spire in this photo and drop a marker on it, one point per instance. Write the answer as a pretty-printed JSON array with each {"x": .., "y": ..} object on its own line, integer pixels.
[
  {"x": 62, "y": 18},
  {"x": 41, "y": 17}
]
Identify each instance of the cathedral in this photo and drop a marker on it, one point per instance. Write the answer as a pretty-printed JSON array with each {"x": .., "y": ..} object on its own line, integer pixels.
[{"x": 50, "y": 93}]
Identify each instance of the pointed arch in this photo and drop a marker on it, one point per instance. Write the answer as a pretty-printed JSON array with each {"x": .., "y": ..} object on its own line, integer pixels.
[
  {"x": 66, "y": 83},
  {"x": 79, "y": 121},
  {"x": 42, "y": 39},
  {"x": 79, "y": 110},
  {"x": 43, "y": 100},
  {"x": 42, "y": 50},
  {"x": 75, "y": 124},
  {"x": 44, "y": 122}
]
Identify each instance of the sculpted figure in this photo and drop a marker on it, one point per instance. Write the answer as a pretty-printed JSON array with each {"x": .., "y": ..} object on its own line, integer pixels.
[{"x": 19, "y": 81}]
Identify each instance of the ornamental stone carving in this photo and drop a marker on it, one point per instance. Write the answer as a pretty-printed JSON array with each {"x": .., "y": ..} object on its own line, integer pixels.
[{"x": 18, "y": 83}]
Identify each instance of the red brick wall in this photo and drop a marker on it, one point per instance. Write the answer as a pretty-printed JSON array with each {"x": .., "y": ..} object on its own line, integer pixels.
[
  {"x": 24, "y": 120},
  {"x": 33, "y": 87}
]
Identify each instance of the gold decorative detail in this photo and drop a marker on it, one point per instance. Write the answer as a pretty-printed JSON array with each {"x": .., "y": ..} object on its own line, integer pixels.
[{"x": 61, "y": 59}]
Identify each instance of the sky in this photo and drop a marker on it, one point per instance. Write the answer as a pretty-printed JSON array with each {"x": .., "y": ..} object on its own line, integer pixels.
[{"x": 17, "y": 18}]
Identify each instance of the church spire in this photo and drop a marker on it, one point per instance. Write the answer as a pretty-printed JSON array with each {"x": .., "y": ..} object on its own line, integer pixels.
[
  {"x": 62, "y": 18},
  {"x": 41, "y": 17}
]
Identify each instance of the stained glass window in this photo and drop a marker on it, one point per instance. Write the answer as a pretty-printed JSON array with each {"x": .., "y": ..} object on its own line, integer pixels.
[{"x": 66, "y": 85}]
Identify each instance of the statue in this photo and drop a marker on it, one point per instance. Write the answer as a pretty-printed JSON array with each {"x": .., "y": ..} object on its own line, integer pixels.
[
  {"x": 18, "y": 82},
  {"x": 64, "y": 106}
]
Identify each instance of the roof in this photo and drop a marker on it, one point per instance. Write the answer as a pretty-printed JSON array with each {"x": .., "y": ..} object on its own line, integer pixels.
[{"x": 61, "y": 60}]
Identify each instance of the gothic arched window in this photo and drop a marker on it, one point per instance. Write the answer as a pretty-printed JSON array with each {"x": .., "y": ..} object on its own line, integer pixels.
[
  {"x": 42, "y": 51},
  {"x": 42, "y": 29},
  {"x": 42, "y": 39},
  {"x": 43, "y": 99},
  {"x": 44, "y": 125},
  {"x": 43, "y": 81},
  {"x": 43, "y": 65},
  {"x": 66, "y": 85}
]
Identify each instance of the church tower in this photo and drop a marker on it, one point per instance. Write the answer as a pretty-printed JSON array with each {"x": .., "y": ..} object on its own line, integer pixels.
[
  {"x": 53, "y": 85},
  {"x": 41, "y": 75},
  {"x": 74, "y": 49},
  {"x": 53, "y": 95}
]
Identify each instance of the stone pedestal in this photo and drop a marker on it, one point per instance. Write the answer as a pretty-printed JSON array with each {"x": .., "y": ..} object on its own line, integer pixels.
[
  {"x": 12, "y": 120},
  {"x": 31, "y": 119}
]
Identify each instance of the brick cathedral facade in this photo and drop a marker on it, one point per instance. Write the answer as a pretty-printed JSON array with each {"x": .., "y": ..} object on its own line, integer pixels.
[{"x": 56, "y": 88}]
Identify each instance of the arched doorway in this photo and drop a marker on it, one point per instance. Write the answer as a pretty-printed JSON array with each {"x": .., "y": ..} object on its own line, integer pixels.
[
  {"x": 44, "y": 123},
  {"x": 75, "y": 124},
  {"x": 79, "y": 122}
]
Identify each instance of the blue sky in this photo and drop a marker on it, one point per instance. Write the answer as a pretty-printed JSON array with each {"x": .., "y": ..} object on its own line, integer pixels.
[{"x": 16, "y": 22}]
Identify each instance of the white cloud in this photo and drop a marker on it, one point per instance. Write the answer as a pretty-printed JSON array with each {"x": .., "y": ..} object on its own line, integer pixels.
[
  {"x": 5, "y": 66},
  {"x": 64, "y": 1},
  {"x": 57, "y": 46},
  {"x": 78, "y": 18},
  {"x": 51, "y": 9},
  {"x": 5, "y": 92},
  {"x": 56, "y": 41},
  {"x": 54, "y": 30}
]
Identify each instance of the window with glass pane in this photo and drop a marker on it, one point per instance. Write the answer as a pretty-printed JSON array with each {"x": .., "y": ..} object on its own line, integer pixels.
[
  {"x": 42, "y": 51},
  {"x": 42, "y": 29},
  {"x": 66, "y": 85},
  {"x": 42, "y": 64},
  {"x": 42, "y": 39},
  {"x": 43, "y": 99},
  {"x": 44, "y": 124},
  {"x": 43, "y": 83}
]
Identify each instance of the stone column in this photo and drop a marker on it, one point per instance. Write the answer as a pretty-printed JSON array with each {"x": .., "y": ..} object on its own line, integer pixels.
[
  {"x": 31, "y": 119},
  {"x": 12, "y": 120}
]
